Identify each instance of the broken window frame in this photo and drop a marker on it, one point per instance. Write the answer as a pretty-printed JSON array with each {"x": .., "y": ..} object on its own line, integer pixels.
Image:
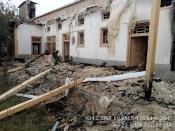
[
  {"x": 32, "y": 9},
  {"x": 81, "y": 20},
  {"x": 166, "y": 3},
  {"x": 48, "y": 29},
  {"x": 140, "y": 27},
  {"x": 73, "y": 40},
  {"x": 106, "y": 15},
  {"x": 104, "y": 37},
  {"x": 59, "y": 26},
  {"x": 81, "y": 41}
]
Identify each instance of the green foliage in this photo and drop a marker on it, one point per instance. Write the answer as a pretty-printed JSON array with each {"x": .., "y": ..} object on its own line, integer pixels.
[
  {"x": 7, "y": 14},
  {"x": 33, "y": 119}
]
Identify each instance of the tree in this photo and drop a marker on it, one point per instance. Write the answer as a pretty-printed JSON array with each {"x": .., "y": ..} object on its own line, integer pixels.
[{"x": 7, "y": 14}]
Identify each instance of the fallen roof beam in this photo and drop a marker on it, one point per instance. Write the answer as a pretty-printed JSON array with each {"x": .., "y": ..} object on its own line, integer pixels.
[
  {"x": 34, "y": 59},
  {"x": 25, "y": 65},
  {"x": 23, "y": 85},
  {"x": 25, "y": 105}
]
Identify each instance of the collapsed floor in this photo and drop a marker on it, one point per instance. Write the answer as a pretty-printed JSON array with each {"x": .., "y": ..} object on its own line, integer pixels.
[{"x": 100, "y": 105}]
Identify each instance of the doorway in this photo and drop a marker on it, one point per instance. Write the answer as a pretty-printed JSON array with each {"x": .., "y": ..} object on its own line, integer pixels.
[
  {"x": 51, "y": 47},
  {"x": 66, "y": 48},
  {"x": 138, "y": 44},
  {"x": 51, "y": 44},
  {"x": 66, "y": 51},
  {"x": 36, "y": 48},
  {"x": 36, "y": 45},
  {"x": 138, "y": 51}
]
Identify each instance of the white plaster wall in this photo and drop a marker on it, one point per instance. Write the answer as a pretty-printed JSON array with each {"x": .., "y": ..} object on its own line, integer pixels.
[
  {"x": 24, "y": 33},
  {"x": 53, "y": 32},
  {"x": 63, "y": 30},
  {"x": 92, "y": 26},
  {"x": 92, "y": 49},
  {"x": 143, "y": 9},
  {"x": 165, "y": 38}
]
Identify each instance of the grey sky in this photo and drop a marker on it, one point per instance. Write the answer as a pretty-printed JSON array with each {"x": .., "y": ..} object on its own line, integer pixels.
[{"x": 44, "y": 5}]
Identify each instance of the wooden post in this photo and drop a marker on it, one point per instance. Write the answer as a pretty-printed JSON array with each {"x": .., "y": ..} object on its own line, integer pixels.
[
  {"x": 152, "y": 42},
  {"x": 23, "y": 85},
  {"x": 42, "y": 98}
]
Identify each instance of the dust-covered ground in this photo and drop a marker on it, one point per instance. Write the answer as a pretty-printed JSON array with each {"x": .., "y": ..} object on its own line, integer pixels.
[{"x": 99, "y": 106}]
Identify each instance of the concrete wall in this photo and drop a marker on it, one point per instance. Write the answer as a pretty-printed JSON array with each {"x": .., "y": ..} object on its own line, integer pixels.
[{"x": 24, "y": 33}]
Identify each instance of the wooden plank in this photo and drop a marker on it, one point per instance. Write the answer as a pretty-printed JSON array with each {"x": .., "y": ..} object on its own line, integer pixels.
[
  {"x": 24, "y": 66},
  {"x": 16, "y": 69},
  {"x": 152, "y": 42},
  {"x": 25, "y": 105},
  {"x": 23, "y": 85}
]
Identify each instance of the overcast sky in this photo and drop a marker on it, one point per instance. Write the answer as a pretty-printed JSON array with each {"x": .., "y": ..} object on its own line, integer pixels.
[{"x": 44, "y": 6}]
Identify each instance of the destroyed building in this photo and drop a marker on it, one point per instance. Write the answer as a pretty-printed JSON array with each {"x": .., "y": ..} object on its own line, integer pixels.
[
  {"x": 27, "y": 9},
  {"x": 114, "y": 94},
  {"x": 97, "y": 31}
]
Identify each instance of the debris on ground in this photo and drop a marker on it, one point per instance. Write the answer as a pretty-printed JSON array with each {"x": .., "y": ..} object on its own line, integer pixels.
[{"x": 100, "y": 106}]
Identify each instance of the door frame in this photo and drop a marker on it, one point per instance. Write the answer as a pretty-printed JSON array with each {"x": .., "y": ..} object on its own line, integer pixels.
[
  {"x": 63, "y": 45},
  {"x": 130, "y": 45},
  {"x": 130, "y": 35},
  {"x": 37, "y": 42}
]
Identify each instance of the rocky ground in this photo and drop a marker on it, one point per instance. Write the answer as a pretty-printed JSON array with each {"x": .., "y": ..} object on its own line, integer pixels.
[{"x": 102, "y": 106}]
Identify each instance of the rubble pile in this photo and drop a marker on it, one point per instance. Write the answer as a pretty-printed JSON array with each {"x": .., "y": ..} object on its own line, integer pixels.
[
  {"x": 59, "y": 74},
  {"x": 114, "y": 106},
  {"x": 102, "y": 105}
]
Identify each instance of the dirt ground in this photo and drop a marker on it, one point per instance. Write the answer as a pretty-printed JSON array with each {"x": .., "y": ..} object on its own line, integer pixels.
[{"x": 94, "y": 106}]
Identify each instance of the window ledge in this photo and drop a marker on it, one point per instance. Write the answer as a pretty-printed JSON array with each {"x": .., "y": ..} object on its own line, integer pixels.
[
  {"x": 104, "y": 45},
  {"x": 80, "y": 46},
  {"x": 105, "y": 20},
  {"x": 81, "y": 25}
]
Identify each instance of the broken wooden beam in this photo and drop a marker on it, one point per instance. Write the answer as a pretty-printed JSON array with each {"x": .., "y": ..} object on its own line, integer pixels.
[
  {"x": 35, "y": 59},
  {"x": 42, "y": 98},
  {"x": 23, "y": 85},
  {"x": 15, "y": 69},
  {"x": 25, "y": 65}
]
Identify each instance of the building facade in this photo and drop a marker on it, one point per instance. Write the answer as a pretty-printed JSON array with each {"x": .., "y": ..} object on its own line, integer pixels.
[{"x": 81, "y": 31}]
